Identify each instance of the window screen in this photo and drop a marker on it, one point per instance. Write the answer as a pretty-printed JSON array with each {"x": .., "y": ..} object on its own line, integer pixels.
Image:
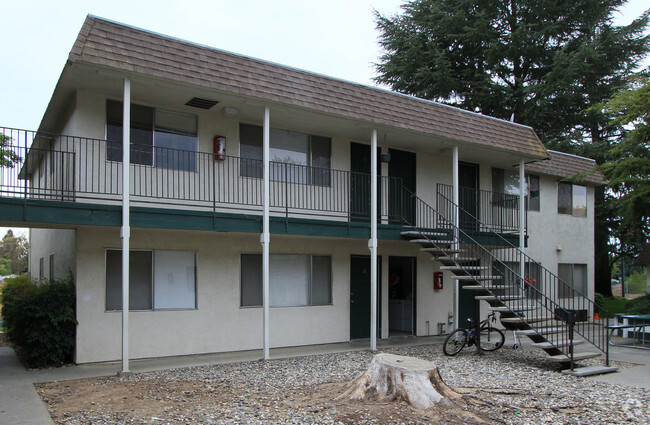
[
  {"x": 575, "y": 276},
  {"x": 564, "y": 193},
  {"x": 175, "y": 280},
  {"x": 579, "y": 203},
  {"x": 533, "y": 193},
  {"x": 295, "y": 280}
]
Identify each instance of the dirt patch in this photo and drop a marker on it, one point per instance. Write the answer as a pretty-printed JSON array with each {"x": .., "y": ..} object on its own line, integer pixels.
[{"x": 195, "y": 402}]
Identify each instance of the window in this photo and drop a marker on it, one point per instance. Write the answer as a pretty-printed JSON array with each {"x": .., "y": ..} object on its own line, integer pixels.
[
  {"x": 158, "y": 138},
  {"x": 41, "y": 268},
  {"x": 505, "y": 188},
  {"x": 294, "y": 280},
  {"x": 532, "y": 274},
  {"x": 295, "y": 157},
  {"x": 571, "y": 199},
  {"x": 575, "y": 275},
  {"x": 158, "y": 280},
  {"x": 532, "y": 192}
]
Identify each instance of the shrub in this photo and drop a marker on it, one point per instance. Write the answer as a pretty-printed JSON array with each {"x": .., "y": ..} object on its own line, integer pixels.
[
  {"x": 39, "y": 317},
  {"x": 639, "y": 305}
]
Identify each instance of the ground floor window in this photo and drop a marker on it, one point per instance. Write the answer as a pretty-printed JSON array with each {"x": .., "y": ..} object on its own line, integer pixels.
[
  {"x": 575, "y": 275},
  {"x": 294, "y": 280},
  {"x": 158, "y": 280}
]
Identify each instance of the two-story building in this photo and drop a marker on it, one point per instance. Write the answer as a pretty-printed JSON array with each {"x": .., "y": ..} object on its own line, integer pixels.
[{"x": 448, "y": 196}]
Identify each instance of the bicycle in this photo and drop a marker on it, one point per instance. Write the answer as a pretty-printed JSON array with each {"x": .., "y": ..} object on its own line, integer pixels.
[{"x": 490, "y": 338}]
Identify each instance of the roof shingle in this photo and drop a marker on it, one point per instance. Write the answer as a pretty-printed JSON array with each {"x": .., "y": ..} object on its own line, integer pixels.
[
  {"x": 122, "y": 47},
  {"x": 566, "y": 165}
]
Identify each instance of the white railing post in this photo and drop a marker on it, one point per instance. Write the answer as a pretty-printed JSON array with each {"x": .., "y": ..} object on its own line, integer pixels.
[
  {"x": 266, "y": 234},
  {"x": 372, "y": 244},
  {"x": 522, "y": 218},
  {"x": 126, "y": 225},
  {"x": 456, "y": 198}
]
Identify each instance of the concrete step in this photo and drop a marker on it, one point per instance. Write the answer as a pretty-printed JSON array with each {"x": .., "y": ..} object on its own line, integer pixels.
[
  {"x": 590, "y": 370},
  {"x": 576, "y": 356},
  {"x": 445, "y": 251},
  {"x": 559, "y": 344}
]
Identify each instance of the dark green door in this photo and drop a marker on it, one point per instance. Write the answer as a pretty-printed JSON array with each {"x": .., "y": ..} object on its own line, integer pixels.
[
  {"x": 468, "y": 194},
  {"x": 401, "y": 205},
  {"x": 360, "y": 296},
  {"x": 360, "y": 182}
]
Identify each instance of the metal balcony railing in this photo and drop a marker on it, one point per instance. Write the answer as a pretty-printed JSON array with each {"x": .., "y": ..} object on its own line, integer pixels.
[
  {"x": 499, "y": 211},
  {"x": 68, "y": 168}
]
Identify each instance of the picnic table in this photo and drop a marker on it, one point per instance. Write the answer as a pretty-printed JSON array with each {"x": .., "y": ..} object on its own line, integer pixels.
[{"x": 638, "y": 323}]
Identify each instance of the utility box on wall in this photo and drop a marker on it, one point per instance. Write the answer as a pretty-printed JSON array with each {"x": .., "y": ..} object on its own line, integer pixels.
[{"x": 437, "y": 280}]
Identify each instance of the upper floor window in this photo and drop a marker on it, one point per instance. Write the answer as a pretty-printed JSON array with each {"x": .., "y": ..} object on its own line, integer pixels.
[
  {"x": 297, "y": 157},
  {"x": 505, "y": 185},
  {"x": 532, "y": 192},
  {"x": 158, "y": 138},
  {"x": 571, "y": 199}
]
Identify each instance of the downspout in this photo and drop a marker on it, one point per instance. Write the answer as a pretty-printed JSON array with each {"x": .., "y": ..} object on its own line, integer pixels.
[
  {"x": 372, "y": 243},
  {"x": 126, "y": 225},
  {"x": 266, "y": 234}
]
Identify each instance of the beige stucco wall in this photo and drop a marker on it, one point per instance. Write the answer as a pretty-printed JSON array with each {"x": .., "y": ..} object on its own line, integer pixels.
[
  {"x": 220, "y": 324},
  {"x": 59, "y": 242},
  {"x": 561, "y": 238}
]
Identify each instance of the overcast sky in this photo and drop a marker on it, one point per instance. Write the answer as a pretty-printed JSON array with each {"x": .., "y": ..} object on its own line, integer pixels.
[{"x": 331, "y": 37}]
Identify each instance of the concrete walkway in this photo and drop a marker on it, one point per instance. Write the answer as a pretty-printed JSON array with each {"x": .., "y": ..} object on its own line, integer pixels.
[{"x": 21, "y": 405}]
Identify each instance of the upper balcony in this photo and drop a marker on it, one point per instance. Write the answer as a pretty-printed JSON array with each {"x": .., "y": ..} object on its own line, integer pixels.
[{"x": 66, "y": 180}]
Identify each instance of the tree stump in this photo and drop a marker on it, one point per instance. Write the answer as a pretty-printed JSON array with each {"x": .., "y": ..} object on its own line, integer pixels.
[{"x": 390, "y": 377}]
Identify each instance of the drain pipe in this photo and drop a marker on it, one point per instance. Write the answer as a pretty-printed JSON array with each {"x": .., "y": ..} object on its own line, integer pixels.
[{"x": 522, "y": 219}]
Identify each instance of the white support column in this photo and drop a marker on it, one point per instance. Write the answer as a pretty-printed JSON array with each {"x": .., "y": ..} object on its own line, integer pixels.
[
  {"x": 372, "y": 243},
  {"x": 456, "y": 197},
  {"x": 522, "y": 218},
  {"x": 266, "y": 233},
  {"x": 126, "y": 225}
]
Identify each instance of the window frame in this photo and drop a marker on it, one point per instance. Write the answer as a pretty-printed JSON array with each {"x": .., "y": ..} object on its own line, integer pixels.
[
  {"x": 150, "y": 154},
  {"x": 309, "y": 288},
  {"x": 152, "y": 283},
  {"x": 530, "y": 187}
]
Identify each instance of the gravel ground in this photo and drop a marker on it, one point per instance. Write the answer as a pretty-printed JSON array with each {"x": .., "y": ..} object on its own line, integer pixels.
[{"x": 507, "y": 386}]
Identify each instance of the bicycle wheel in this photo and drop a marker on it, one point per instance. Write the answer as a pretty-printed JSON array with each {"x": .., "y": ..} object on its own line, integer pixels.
[
  {"x": 491, "y": 339},
  {"x": 454, "y": 342}
]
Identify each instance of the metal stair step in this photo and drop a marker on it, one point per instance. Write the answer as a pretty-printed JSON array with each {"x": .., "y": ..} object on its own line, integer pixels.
[
  {"x": 558, "y": 344},
  {"x": 513, "y": 308},
  {"x": 456, "y": 259},
  {"x": 498, "y": 298},
  {"x": 590, "y": 370},
  {"x": 576, "y": 356},
  {"x": 461, "y": 268},
  {"x": 418, "y": 234},
  {"x": 518, "y": 320},
  {"x": 486, "y": 288},
  {"x": 430, "y": 242},
  {"x": 540, "y": 331},
  {"x": 476, "y": 277},
  {"x": 442, "y": 251}
]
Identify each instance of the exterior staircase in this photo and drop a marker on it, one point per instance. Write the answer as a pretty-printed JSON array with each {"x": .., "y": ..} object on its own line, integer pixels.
[{"x": 488, "y": 264}]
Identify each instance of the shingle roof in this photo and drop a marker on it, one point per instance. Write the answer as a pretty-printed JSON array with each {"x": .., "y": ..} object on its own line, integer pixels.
[
  {"x": 109, "y": 44},
  {"x": 566, "y": 165},
  {"x": 643, "y": 259}
]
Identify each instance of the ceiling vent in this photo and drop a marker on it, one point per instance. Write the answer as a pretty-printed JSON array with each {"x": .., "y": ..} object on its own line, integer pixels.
[{"x": 197, "y": 102}]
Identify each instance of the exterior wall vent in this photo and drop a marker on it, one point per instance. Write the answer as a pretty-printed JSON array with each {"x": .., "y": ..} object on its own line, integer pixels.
[{"x": 197, "y": 102}]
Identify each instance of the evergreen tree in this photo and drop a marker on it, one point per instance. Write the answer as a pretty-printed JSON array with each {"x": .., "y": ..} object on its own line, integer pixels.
[
  {"x": 540, "y": 63},
  {"x": 14, "y": 249}
]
